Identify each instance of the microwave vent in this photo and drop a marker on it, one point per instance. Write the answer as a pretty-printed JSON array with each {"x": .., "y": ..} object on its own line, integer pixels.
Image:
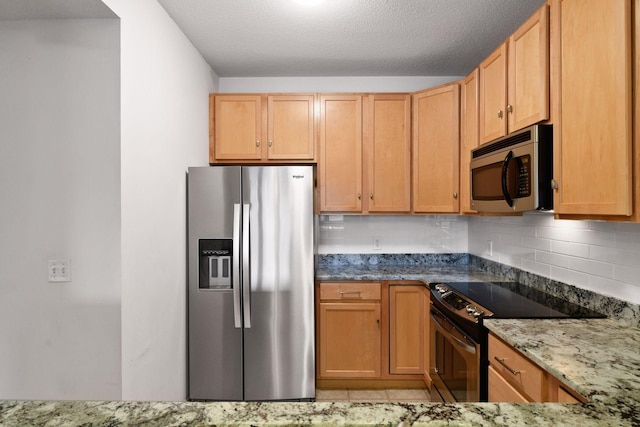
[{"x": 503, "y": 143}]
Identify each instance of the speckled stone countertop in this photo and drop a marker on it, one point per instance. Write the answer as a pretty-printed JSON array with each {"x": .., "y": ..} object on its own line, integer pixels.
[
  {"x": 427, "y": 268},
  {"x": 599, "y": 358}
]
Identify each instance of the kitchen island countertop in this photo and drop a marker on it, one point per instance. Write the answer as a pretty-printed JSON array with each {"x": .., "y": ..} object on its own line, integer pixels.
[{"x": 598, "y": 358}]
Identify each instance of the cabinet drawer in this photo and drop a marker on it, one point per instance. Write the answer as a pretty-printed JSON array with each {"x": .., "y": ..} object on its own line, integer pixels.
[
  {"x": 527, "y": 377},
  {"x": 501, "y": 391},
  {"x": 347, "y": 291}
]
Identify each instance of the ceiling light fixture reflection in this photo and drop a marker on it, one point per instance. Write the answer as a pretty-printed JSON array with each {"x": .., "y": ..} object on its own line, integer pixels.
[{"x": 308, "y": 2}]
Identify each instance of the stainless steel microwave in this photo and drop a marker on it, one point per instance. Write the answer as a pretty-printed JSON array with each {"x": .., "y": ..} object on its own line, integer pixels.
[{"x": 514, "y": 173}]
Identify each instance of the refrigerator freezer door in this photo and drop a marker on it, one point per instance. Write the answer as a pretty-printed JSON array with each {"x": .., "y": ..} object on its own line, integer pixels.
[
  {"x": 215, "y": 344},
  {"x": 279, "y": 345}
]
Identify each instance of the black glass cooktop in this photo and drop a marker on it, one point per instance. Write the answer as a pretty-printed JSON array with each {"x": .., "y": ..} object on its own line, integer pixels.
[{"x": 511, "y": 300}]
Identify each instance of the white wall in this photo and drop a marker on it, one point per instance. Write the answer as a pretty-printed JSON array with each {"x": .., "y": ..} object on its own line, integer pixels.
[
  {"x": 340, "y": 234},
  {"x": 330, "y": 84},
  {"x": 60, "y": 199},
  {"x": 165, "y": 107},
  {"x": 600, "y": 256}
]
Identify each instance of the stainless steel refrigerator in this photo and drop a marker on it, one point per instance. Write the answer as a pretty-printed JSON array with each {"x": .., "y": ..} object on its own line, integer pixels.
[{"x": 250, "y": 283}]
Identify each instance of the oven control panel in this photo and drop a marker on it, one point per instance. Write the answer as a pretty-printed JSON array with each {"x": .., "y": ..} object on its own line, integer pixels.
[{"x": 459, "y": 304}]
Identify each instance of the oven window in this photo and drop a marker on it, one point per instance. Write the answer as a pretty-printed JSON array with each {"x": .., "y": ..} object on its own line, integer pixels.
[{"x": 456, "y": 361}]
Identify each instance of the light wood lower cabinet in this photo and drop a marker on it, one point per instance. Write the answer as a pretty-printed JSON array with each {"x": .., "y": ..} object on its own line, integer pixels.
[
  {"x": 350, "y": 340},
  {"x": 501, "y": 391},
  {"x": 406, "y": 330},
  {"x": 373, "y": 333},
  {"x": 515, "y": 378},
  {"x": 349, "y": 330}
]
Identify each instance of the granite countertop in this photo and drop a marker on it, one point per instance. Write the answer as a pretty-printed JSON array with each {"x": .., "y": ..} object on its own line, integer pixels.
[
  {"x": 598, "y": 358},
  {"x": 578, "y": 352}
]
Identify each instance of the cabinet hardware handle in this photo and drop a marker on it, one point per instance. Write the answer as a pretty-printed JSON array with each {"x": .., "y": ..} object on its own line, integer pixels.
[
  {"x": 455, "y": 195},
  {"x": 359, "y": 196},
  {"x": 258, "y": 143},
  {"x": 350, "y": 292},
  {"x": 507, "y": 367},
  {"x": 499, "y": 114},
  {"x": 554, "y": 184},
  {"x": 509, "y": 108},
  {"x": 270, "y": 143},
  {"x": 371, "y": 196}
]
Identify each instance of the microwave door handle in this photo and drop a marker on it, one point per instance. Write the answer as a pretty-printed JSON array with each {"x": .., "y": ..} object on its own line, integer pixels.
[{"x": 505, "y": 190}]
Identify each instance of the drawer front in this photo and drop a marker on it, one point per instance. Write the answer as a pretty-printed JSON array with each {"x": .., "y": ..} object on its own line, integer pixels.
[
  {"x": 501, "y": 391},
  {"x": 526, "y": 376},
  {"x": 350, "y": 291}
]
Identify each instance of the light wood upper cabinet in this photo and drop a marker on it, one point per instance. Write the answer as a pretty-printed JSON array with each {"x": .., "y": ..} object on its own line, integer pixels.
[
  {"x": 468, "y": 135},
  {"x": 406, "y": 330},
  {"x": 258, "y": 128},
  {"x": 290, "y": 121},
  {"x": 365, "y": 152},
  {"x": 436, "y": 142},
  {"x": 340, "y": 161},
  {"x": 237, "y": 127},
  {"x": 592, "y": 82},
  {"x": 387, "y": 144},
  {"x": 528, "y": 75},
  {"x": 514, "y": 80},
  {"x": 493, "y": 95}
]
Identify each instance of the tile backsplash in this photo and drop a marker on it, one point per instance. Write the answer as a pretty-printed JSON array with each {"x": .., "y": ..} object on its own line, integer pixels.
[
  {"x": 602, "y": 257},
  {"x": 357, "y": 234}
]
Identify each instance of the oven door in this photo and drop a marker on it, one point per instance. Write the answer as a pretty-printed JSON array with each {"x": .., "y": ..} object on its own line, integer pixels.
[{"x": 455, "y": 361}]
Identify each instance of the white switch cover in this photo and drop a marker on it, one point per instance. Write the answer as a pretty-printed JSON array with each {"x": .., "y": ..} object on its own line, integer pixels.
[
  {"x": 490, "y": 248},
  {"x": 377, "y": 243},
  {"x": 59, "y": 270}
]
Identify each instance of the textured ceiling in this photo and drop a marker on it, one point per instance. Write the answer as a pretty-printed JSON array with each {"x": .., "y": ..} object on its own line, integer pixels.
[
  {"x": 267, "y": 38},
  {"x": 53, "y": 9}
]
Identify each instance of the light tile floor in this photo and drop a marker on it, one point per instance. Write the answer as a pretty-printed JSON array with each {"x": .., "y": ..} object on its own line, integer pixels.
[{"x": 388, "y": 395}]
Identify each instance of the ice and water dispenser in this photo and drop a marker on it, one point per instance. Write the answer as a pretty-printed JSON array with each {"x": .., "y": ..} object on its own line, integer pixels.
[{"x": 216, "y": 256}]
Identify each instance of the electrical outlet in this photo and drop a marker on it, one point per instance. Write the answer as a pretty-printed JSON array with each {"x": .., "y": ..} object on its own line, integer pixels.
[
  {"x": 490, "y": 247},
  {"x": 377, "y": 243},
  {"x": 59, "y": 270}
]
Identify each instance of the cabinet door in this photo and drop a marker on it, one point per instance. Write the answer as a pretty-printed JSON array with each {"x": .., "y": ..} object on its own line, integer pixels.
[
  {"x": 493, "y": 95},
  {"x": 468, "y": 135},
  {"x": 528, "y": 76},
  {"x": 593, "y": 136},
  {"x": 388, "y": 153},
  {"x": 291, "y": 127},
  {"x": 340, "y": 163},
  {"x": 436, "y": 142},
  {"x": 349, "y": 340},
  {"x": 406, "y": 333},
  {"x": 237, "y": 127}
]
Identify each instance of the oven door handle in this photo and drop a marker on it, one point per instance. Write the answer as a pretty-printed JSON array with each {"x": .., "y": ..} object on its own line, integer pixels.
[{"x": 469, "y": 346}]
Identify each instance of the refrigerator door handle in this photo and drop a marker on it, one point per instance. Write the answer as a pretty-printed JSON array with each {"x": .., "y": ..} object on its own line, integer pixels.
[
  {"x": 237, "y": 319},
  {"x": 246, "y": 276}
]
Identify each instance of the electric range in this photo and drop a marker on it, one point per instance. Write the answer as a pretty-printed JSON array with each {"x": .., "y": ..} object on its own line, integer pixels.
[{"x": 459, "y": 360}]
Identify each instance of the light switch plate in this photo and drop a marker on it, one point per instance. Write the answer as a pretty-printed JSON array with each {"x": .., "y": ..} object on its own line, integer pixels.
[
  {"x": 59, "y": 270},
  {"x": 377, "y": 243}
]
